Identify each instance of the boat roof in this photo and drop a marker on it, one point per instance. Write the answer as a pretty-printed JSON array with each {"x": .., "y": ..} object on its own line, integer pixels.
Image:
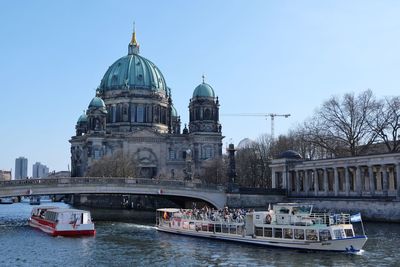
[
  {"x": 45, "y": 208},
  {"x": 169, "y": 209},
  {"x": 61, "y": 210},
  {"x": 294, "y": 204}
]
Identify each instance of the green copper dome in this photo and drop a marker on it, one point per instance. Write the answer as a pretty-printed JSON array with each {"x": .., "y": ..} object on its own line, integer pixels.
[
  {"x": 82, "y": 119},
  {"x": 97, "y": 102},
  {"x": 174, "y": 113},
  {"x": 203, "y": 90},
  {"x": 133, "y": 72}
]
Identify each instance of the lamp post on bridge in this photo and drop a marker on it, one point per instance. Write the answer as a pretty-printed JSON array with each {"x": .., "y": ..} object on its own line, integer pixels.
[{"x": 232, "y": 167}]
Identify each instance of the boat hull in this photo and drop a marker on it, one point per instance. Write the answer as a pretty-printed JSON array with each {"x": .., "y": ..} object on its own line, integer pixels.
[
  {"x": 338, "y": 245},
  {"x": 63, "y": 230}
]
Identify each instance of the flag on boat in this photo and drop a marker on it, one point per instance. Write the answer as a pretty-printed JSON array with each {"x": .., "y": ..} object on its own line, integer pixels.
[{"x": 355, "y": 217}]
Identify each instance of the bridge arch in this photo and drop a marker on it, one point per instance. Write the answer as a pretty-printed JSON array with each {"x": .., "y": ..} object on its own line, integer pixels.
[{"x": 214, "y": 195}]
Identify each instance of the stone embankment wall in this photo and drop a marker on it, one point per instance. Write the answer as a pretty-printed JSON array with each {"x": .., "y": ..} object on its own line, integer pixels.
[
  {"x": 371, "y": 209},
  {"x": 248, "y": 201}
]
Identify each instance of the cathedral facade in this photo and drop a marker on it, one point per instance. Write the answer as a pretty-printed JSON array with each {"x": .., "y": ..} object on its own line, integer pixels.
[{"x": 133, "y": 112}]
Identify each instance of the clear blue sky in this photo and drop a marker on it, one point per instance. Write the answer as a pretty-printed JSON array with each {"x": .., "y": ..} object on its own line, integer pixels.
[{"x": 259, "y": 56}]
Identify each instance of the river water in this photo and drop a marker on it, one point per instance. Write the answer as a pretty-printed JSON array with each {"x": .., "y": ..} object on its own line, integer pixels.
[{"x": 139, "y": 244}]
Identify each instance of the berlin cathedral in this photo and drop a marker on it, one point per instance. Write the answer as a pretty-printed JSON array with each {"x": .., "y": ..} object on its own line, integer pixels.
[{"x": 133, "y": 112}]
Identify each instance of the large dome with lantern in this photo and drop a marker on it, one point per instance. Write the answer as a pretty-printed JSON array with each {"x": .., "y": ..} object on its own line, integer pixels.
[{"x": 133, "y": 72}]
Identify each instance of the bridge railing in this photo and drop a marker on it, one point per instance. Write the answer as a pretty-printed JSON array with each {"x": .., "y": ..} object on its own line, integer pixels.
[{"x": 110, "y": 180}]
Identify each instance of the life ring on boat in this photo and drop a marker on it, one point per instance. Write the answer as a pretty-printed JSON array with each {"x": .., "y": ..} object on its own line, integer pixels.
[{"x": 268, "y": 219}]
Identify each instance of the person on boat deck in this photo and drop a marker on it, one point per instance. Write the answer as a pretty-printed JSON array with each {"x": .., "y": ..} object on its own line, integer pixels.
[{"x": 165, "y": 215}]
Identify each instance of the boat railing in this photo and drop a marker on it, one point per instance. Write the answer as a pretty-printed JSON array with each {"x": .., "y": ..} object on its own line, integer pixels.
[
  {"x": 330, "y": 219},
  {"x": 213, "y": 216}
]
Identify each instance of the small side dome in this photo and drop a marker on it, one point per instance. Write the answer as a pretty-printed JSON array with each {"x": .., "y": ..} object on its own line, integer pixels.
[
  {"x": 82, "y": 119},
  {"x": 245, "y": 143},
  {"x": 290, "y": 154},
  {"x": 174, "y": 113},
  {"x": 203, "y": 90},
  {"x": 97, "y": 102}
]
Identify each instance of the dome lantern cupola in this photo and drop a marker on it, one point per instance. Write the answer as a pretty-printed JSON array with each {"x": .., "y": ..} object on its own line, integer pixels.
[
  {"x": 133, "y": 47},
  {"x": 132, "y": 73}
]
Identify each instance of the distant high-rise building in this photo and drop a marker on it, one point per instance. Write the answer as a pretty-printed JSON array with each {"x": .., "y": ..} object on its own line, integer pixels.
[
  {"x": 39, "y": 170},
  {"x": 21, "y": 168}
]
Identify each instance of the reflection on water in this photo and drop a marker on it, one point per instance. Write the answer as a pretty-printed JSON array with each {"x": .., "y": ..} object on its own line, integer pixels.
[{"x": 139, "y": 244}]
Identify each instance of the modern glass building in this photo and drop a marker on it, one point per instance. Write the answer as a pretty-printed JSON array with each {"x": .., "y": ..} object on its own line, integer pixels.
[
  {"x": 39, "y": 170},
  {"x": 21, "y": 168}
]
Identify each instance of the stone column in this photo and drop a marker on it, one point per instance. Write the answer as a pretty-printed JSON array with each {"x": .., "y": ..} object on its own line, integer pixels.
[
  {"x": 297, "y": 180},
  {"x": 385, "y": 182},
  {"x": 289, "y": 181},
  {"x": 358, "y": 181},
  {"x": 371, "y": 180},
  {"x": 346, "y": 181},
  {"x": 326, "y": 185},
  {"x": 336, "y": 181},
  {"x": 398, "y": 179},
  {"x": 392, "y": 178},
  {"x": 316, "y": 184},
  {"x": 284, "y": 179},
  {"x": 306, "y": 181},
  {"x": 273, "y": 179}
]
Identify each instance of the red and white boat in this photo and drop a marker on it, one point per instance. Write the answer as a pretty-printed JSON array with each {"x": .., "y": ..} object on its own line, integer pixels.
[{"x": 62, "y": 222}]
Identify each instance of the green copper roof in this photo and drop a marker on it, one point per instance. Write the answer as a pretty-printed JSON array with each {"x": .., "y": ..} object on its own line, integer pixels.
[
  {"x": 203, "y": 90},
  {"x": 82, "y": 118},
  {"x": 174, "y": 113},
  {"x": 96, "y": 102},
  {"x": 133, "y": 72}
]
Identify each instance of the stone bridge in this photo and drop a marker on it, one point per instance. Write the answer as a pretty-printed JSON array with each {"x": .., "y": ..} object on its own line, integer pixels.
[{"x": 214, "y": 195}]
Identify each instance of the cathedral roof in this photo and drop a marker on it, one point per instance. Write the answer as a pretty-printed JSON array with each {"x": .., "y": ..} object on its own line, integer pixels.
[{"x": 133, "y": 72}]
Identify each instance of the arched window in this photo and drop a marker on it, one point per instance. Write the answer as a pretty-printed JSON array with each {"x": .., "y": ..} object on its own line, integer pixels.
[
  {"x": 207, "y": 114},
  {"x": 125, "y": 109}
]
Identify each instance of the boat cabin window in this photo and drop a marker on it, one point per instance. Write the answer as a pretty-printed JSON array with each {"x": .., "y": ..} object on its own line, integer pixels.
[
  {"x": 325, "y": 235},
  {"x": 298, "y": 233},
  {"x": 288, "y": 233},
  {"x": 284, "y": 210},
  {"x": 240, "y": 230},
  {"x": 51, "y": 216},
  {"x": 259, "y": 231},
  {"x": 278, "y": 232},
  {"x": 225, "y": 229},
  {"x": 218, "y": 228},
  {"x": 338, "y": 233},
  {"x": 349, "y": 232},
  {"x": 311, "y": 234},
  {"x": 232, "y": 229},
  {"x": 268, "y": 232}
]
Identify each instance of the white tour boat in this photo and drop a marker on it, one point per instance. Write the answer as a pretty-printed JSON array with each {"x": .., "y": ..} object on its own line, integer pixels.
[
  {"x": 287, "y": 225},
  {"x": 62, "y": 222}
]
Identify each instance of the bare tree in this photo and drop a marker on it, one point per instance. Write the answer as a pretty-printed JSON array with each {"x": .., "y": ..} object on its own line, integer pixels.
[
  {"x": 341, "y": 126},
  {"x": 117, "y": 165},
  {"x": 252, "y": 163},
  {"x": 386, "y": 123},
  {"x": 215, "y": 171}
]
